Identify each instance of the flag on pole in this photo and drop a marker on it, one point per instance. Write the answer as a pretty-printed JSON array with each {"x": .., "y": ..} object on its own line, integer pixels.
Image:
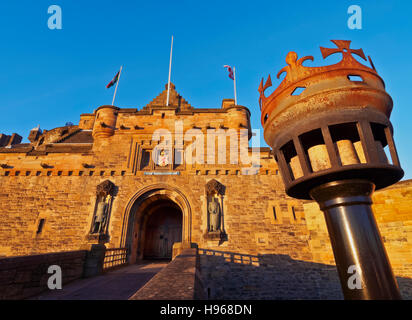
[
  {"x": 232, "y": 75},
  {"x": 229, "y": 68},
  {"x": 114, "y": 80}
]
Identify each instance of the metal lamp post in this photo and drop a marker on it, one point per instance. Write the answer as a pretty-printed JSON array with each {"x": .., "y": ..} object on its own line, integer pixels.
[{"x": 331, "y": 136}]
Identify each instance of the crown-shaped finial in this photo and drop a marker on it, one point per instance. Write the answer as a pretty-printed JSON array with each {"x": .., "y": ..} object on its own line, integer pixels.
[{"x": 300, "y": 76}]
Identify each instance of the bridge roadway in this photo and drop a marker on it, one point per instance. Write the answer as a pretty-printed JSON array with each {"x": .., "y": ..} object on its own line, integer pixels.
[{"x": 119, "y": 284}]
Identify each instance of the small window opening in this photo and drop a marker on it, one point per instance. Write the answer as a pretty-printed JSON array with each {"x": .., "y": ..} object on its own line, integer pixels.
[
  {"x": 297, "y": 91},
  {"x": 40, "y": 226},
  {"x": 355, "y": 78},
  {"x": 294, "y": 213},
  {"x": 274, "y": 213}
]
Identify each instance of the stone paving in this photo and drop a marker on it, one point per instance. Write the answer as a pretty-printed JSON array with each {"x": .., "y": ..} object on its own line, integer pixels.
[{"x": 118, "y": 284}]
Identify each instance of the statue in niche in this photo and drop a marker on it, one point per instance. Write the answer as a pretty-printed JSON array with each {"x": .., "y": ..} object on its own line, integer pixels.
[
  {"x": 214, "y": 192},
  {"x": 104, "y": 200},
  {"x": 213, "y": 209},
  {"x": 101, "y": 215}
]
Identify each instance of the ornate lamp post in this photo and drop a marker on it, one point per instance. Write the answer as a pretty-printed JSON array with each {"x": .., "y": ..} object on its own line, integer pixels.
[{"x": 329, "y": 129}]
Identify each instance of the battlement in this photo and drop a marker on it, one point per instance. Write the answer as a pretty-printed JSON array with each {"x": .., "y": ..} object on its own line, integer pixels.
[{"x": 8, "y": 141}]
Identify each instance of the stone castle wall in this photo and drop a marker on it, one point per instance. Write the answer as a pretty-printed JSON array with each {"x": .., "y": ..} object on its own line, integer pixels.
[
  {"x": 276, "y": 246},
  {"x": 23, "y": 277},
  {"x": 294, "y": 256},
  {"x": 67, "y": 205}
]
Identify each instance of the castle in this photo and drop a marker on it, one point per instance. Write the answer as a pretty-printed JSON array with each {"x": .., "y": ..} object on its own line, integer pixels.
[{"x": 107, "y": 181}]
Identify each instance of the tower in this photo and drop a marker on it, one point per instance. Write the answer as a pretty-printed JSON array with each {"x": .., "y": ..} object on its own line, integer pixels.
[{"x": 105, "y": 121}]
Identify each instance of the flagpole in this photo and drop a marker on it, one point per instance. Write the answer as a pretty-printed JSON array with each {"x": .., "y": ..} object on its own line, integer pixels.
[
  {"x": 234, "y": 84},
  {"x": 118, "y": 80},
  {"x": 170, "y": 71}
]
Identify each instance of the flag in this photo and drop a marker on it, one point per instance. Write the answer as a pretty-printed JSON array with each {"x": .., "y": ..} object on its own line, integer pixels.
[
  {"x": 229, "y": 68},
  {"x": 111, "y": 83}
]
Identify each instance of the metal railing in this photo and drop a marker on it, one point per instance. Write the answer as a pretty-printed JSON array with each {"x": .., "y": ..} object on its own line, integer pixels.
[
  {"x": 233, "y": 257},
  {"x": 114, "y": 258}
]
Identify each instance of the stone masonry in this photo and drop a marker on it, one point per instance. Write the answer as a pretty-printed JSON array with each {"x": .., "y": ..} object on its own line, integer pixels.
[{"x": 49, "y": 201}]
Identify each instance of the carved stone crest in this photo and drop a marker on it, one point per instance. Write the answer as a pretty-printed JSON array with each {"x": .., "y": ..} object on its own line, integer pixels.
[
  {"x": 105, "y": 188},
  {"x": 163, "y": 159},
  {"x": 214, "y": 187}
]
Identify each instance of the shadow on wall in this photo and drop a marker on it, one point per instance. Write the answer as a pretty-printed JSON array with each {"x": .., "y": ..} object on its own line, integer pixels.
[{"x": 229, "y": 275}]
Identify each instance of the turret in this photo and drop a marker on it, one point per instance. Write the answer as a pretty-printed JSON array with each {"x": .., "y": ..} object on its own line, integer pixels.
[
  {"x": 105, "y": 121},
  {"x": 239, "y": 116}
]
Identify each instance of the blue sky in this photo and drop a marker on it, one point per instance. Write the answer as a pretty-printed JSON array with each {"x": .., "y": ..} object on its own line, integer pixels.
[{"x": 50, "y": 77}]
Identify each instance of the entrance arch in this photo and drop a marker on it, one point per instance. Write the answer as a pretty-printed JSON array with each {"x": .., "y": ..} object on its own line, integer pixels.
[
  {"x": 154, "y": 218},
  {"x": 162, "y": 228}
]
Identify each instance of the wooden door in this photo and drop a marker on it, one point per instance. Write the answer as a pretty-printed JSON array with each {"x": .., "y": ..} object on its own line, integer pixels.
[{"x": 164, "y": 228}]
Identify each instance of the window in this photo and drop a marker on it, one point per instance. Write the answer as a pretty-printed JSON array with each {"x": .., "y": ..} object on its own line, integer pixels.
[
  {"x": 178, "y": 158},
  {"x": 145, "y": 161},
  {"x": 40, "y": 226},
  {"x": 355, "y": 78},
  {"x": 297, "y": 91},
  {"x": 294, "y": 213}
]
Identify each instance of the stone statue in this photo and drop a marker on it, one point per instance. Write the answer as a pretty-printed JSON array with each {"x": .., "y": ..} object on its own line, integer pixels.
[
  {"x": 101, "y": 215},
  {"x": 104, "y": 195},
  {"x": 214, "y": 213}
]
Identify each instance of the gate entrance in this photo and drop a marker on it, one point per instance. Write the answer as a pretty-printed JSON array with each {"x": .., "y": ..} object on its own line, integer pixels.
[
  {"x": 163, "y": 228},
  {"x": 155, "y": 218}
]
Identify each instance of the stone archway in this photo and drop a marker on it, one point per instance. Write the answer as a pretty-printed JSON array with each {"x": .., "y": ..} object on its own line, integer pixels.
[{"x": 153, "y": 200}]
